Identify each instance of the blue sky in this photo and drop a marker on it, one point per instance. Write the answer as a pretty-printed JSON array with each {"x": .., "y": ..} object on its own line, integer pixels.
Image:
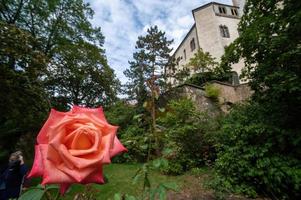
[{"x": 122, "y": 21}]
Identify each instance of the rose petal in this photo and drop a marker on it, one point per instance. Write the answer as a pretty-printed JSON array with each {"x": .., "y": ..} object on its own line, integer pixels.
[
  {"x": 97, "y": 111},
  {"x": 37, "y": 167},
  {"x": 51, "y": 173},
  {"x": 80, "y": 162},
  {"x": 53, "y": 118},
  {"x": 95, "y": 177},
  {"x": 117, "y": 148},
  {"x": 80, "y": 175}
]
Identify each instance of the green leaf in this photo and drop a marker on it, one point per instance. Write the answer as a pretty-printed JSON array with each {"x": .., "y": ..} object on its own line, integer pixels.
[
  {"x": 117, "y": 196},
  {"x": 157, "y": 163},
  {"x": 136, "y": 178},
  {"x": 50, "y": 187},
  {"x": 33, "y": 194},
  {"x": 161, "y": 162},
  {"x": 137, "y": 116},
  {"x": 171, "y": 186},
  {"x": 152, "y": 194},
  {"x": 144, "y": 147},
  {"x": 128, "y": 197},
  {"x": 167, "y": 151},
  {"x": 162, "y": 109},
  {"x": 162, "y": 193}
]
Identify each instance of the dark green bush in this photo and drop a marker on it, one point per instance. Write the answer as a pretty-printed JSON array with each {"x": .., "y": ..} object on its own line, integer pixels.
[
  {"x": 131, "y": 131},
  {"x": 257, "y": 156},
  {"x": 186, "y": 140},
  {"x": 136, "y": 141},
  {"x": 204, "y": 77}
]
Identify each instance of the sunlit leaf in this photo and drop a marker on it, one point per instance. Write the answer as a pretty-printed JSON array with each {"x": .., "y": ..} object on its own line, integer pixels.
[{"x": 33, "y": 194}]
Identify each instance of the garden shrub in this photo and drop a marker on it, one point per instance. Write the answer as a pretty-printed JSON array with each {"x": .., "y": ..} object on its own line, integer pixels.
[
  {"x": 135, "y": 139},
  {"x": 257, "y": 156},
  {"x": 204, "y": 77},
  {"x": 132, "y": 131},
  {"x": 185, "y": 137}
]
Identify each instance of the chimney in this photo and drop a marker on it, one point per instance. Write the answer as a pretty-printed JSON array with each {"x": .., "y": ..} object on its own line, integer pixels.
[{"x": 235, "y": 3}]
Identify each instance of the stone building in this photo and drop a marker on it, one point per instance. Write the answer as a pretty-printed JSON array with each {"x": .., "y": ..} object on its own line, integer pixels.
[{"x": 215, "y": 28}]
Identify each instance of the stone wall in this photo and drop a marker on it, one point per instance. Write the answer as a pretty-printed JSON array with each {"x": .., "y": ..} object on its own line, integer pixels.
[
  {"x": 229, "y": 94},
  {"x": 232, "y": 93},
  {"x": 198, "y": 96}
]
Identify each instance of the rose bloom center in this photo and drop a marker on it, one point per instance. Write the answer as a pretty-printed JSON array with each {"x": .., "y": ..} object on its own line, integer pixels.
[{"x": 81, "y": 136}]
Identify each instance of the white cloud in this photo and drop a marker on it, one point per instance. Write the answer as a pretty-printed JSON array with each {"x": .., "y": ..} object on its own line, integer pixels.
[{"x": 122, "y": 21}]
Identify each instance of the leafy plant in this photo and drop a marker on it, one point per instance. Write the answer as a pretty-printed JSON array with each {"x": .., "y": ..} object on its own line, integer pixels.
[
  {"x": 186, "y": 140},
  {"x": 253, "y": 156},
  {"x": 39, "y": 192},
  {"x": 259, "y": 149},
  {"x": 212, "y": 91}
]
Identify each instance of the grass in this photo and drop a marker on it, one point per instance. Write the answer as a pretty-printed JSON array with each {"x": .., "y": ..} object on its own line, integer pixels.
[{"x": 120, "y": 180}]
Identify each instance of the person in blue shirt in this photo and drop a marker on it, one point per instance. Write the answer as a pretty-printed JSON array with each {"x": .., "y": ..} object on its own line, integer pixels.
[{"x": 13, "y": 176}]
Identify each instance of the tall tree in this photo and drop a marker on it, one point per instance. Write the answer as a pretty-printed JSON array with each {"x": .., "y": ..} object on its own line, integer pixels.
[
  {"x": 65, "y": 33},
  {"x": 147, "y": 70},
  {"x": 152, "y": 55},
  {"x": 23, "y": 102},
  {"x": 137, "y": 73}
]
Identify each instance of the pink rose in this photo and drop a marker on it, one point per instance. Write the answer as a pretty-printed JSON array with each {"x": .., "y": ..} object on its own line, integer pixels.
[{"x": 73, "y": 146}]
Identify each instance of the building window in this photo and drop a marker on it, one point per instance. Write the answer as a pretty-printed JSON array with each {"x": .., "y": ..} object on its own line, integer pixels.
[
  {"x": 234, "y": 11},
  {"x": 192, "y": 44},
  {"x": 222, "y": 10},
  {"x": 224, "y": 31},
  {"x": 184, "y": 54}
]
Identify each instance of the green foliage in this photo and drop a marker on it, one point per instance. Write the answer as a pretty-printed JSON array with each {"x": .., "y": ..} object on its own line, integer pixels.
[
  {"x": 202, "y": 61},
  {"x": 201, "y": 78},
  {"x": 23, "y": 103},
  {"x": 187, "y": 144},
  {"x": 212, "y": 91},
  {"x": 269, "y": 43},
  {"x": 255, "y": 156},
  {"x": 136, "y": 141},
  {"x": 204, "y": 68},
  {"x": 40, "y": 192},
  {"x": 50, "y": 56},
  {"x": 121, "y": 114},
  {"x": 77, "y": 71},
  {"x": 259, "y": 149},
  {"x": 151, "y": 55},
  {"x": 149, "y": 191}
]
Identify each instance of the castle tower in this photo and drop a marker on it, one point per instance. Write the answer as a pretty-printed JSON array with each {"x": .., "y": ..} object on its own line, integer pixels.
[
  {"x": 240, "y": 4},
  {"x": 214, "y": 29}
]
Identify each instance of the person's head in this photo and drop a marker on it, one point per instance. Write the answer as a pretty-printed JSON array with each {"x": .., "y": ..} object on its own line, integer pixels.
[{"x": 15, "y": 158}]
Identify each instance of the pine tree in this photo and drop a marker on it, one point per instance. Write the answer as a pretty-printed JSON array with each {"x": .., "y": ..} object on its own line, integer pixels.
[
  {"x": 151, "y": 57},
  {"x": 146, "y": 72}
]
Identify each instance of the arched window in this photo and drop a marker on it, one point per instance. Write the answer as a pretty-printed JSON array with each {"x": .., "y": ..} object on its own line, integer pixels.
[
  {"x": 224, "y": 31},
  {"x": 192, "y": 44}
]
